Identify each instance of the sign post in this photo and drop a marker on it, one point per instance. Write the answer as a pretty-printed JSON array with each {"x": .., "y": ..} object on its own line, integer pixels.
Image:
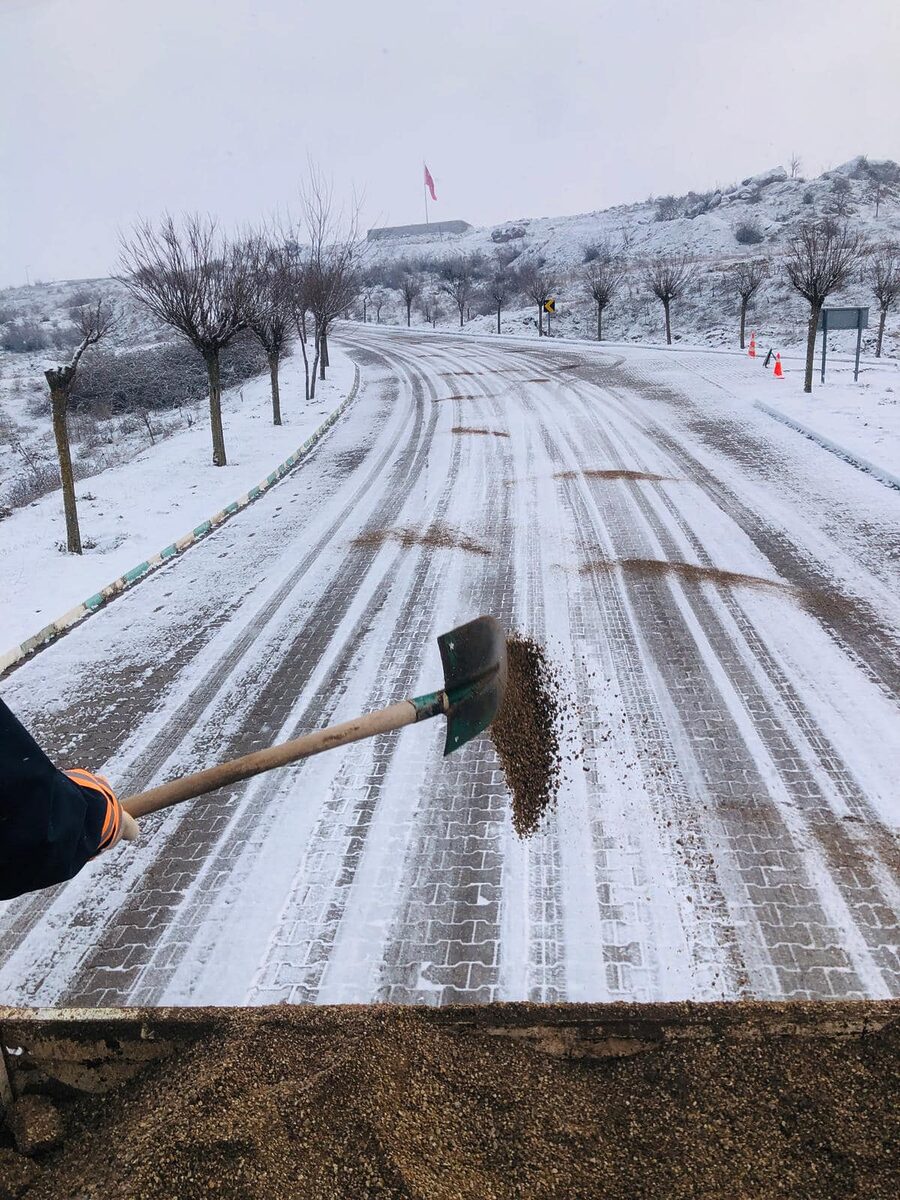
[
  {"x": 549, "y": 307},
  {"x": 842, "y": 318}
]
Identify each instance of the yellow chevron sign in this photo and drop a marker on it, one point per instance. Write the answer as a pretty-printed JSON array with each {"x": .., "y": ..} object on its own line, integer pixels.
[{"x": 550, "y": 306}]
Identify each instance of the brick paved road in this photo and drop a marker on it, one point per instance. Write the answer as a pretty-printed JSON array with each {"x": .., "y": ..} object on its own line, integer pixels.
[{"x": 726, "y": 827}]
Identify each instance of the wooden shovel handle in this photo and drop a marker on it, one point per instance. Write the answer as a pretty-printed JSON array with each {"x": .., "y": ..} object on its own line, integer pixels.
[{"x": 187, "y": 788}]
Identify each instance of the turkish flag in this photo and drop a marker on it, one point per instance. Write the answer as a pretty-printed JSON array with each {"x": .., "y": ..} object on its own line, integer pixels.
[{"x": 429, "y": 182}]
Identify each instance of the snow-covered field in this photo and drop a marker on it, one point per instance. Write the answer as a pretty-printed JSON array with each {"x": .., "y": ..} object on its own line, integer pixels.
[
  {"x": 131, "y": 511},
  {"x": 729, "y": 625}
]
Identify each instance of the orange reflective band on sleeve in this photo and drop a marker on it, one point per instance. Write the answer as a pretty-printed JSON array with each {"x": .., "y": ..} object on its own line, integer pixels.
[{"x": 113, "y": 818}]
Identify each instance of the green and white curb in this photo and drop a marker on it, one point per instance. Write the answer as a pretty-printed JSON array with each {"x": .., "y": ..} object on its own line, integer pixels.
[{"x": 93, "y": 603}]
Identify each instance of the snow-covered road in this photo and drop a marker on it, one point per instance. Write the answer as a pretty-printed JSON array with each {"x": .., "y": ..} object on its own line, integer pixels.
[{"x": 727, "y": 825}]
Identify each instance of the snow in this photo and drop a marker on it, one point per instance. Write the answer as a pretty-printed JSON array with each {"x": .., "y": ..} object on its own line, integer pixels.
[
  {"x": 727, "y": 735},
  {"x": 132, "y": 511}
]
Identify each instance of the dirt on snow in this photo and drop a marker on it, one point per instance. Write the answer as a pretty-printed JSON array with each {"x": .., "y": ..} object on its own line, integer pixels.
[{"x": 435, "y": 536}]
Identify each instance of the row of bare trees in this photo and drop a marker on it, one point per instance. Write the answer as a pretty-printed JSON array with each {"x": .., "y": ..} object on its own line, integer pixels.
[
  {"x": 820, "y": 259},
  {"x": 279, "y": 284},
  {"x": 209, "y": 288}
]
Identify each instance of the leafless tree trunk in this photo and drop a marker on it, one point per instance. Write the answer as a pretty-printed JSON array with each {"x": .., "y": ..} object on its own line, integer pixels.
[
  {"x": 197, "y": 282},
  {"x": 456, "y": 282},
  {"x": 602, "y": 280},
  {"x": 410, "y": 290},
  {"x": 883, "y": 276},
  {"x": 94, "y": 323},
  {"x": 213, "y": 373},
  {"x": 332, "y": 270},
  {"x": 820, "y": 258},
  {"x": 273, "y": 358},
  {"x": 501, "y": 286},
  {"x": 668, "y": 277},
  {"x": 269, "y": 306},
  {"x": 538, "y": 284},
  {"x": 748, "y": 278}
]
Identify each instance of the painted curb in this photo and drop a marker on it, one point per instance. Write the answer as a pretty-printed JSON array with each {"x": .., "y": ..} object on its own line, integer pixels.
[
  {"x": 861, "y": 464},
  {"x": 94, "y": 603}
]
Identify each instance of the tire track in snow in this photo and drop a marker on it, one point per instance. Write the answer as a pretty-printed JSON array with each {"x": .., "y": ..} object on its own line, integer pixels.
[
  {"x": 859, "y": 859},
  {"x": 775, "y": 873},
  {"x": 112, "y": 965},
  {"x": 84, "y": 914}
]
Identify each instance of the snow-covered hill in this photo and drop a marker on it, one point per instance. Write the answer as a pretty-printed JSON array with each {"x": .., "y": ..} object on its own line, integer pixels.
[{"x": 706, "y": 227}]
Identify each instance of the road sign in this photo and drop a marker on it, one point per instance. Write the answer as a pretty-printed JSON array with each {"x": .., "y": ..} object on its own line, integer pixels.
[
  {"x": 550, "y": 306},
  {"x": 831, "y": 319},
  {"x": 842, "y": 318}
]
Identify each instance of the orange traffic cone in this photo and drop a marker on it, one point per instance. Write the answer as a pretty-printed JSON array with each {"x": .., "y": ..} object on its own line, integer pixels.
[
  {"x": 779, "y": 374},
  {"x": 752, "y": 351}
]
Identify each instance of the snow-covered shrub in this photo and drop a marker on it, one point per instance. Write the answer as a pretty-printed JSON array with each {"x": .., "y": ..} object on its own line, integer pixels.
[
  {"x": 30, "y": 484},
  {"x": 509, "y": 234},
  {"x": 748, "y": 233},
  {"x": 159, "y": 377},
  {"x": 667, "y": 208},
  {"x": 23, "y": 337}
]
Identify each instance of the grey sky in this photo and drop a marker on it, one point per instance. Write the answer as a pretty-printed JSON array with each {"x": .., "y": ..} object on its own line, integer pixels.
[{"x": 117, "y": 108}]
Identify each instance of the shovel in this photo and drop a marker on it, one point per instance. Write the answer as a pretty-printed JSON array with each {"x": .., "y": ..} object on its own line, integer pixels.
[{"x": 474, "y": 661}]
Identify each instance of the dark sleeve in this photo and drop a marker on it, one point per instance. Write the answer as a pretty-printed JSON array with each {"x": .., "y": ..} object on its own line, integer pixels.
[{"x": 49, "y": 826}]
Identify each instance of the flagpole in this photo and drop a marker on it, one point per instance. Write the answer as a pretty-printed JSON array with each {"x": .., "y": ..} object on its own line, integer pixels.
[{"x": 425, "y": 190}]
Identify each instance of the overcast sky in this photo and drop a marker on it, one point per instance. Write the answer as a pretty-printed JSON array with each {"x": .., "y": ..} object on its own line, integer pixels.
[{"x": 114, "y": 109}]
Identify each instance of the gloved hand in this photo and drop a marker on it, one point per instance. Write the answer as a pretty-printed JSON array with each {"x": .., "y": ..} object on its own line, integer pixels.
[{"x": 118, "y": 823}]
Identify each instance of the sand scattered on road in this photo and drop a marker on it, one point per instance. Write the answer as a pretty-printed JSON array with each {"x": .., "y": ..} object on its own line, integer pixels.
[
  {"x": 436, "y": 536},
  {"x": 468, "y": 396},
  {"x": 526, "y": 732},
  {"x": 816, "y": 601},
  {"x": 611, "y": 474},
  {"x": 384, "y": 1102},
  {"x": 470, "y": 429}
]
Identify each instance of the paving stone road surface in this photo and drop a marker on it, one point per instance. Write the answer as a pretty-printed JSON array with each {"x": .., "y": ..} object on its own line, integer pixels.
[{"x": 727, "y": 823}]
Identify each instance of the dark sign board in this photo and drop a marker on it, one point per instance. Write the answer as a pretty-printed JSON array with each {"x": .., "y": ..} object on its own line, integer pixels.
[
  {"x": 843, "y": 318},
  {"x": 831, "y": 319}
]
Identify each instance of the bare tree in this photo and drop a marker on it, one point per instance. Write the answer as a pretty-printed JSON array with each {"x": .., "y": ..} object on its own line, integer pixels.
[
  {"x": 332, "y": 264},
  {"x": 669, "y": 276},
  {"x": 297, "y": 283},
  {"x": 748, "y": 279},
  {"x": 878, "y": 190},
  {"x": 378, "y": 300},
  {"x": 538, "y": 284},
  {"x": 456, "y": 281},
  {"x": 602, "y": 279},
  {"x": 796, "y": 166},
  {"x": 500, "y": 287},
  {"x": 410, "y": 289},
  {"x": 94, "y": 323},
  {"x": 819, "y": 259},
  {"x": 841, "y": 196},
  {"x": 430, "y": 306},
  {"x": 269, "y": 305},
  {"x": 196, "y": 281},
  {"x": 883, "y": 276}
]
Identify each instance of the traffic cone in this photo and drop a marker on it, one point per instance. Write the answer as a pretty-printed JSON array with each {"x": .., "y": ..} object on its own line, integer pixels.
[
  {"x": 752, "y": 351},
  {"x": 779, "y": 374}
]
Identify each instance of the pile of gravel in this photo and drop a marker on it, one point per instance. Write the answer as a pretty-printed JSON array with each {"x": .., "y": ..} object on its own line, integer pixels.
[{"x": 345, "y": 1104}]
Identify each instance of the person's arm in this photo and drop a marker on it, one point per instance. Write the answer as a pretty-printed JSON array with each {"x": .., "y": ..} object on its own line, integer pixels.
[{"x": 51, "y": 822}]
